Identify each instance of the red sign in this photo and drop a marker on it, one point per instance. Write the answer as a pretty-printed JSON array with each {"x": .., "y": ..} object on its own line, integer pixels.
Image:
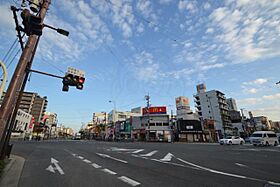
[
  {"x": 31, "y": 123},
  {"x": 154, "y": 110}
]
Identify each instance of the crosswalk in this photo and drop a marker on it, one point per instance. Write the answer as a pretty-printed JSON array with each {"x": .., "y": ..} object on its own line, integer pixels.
[{"x": 145, "y": 154}]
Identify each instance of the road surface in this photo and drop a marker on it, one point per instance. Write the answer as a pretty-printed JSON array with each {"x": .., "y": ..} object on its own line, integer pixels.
[{"x": 94, "y": 163}]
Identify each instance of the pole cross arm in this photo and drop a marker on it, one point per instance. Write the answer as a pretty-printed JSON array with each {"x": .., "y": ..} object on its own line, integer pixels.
[{"x": 44, "y": 73}]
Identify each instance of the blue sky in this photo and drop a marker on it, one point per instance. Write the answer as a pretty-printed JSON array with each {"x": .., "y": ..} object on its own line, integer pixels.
[{"x": 162, "y": 47}]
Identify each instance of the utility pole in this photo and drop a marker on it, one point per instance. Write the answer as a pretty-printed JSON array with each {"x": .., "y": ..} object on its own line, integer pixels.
[
  {"x": 12, "y": 94},
  {"x": 147, "y": 97},
  {"x": 242, "y": 121}
]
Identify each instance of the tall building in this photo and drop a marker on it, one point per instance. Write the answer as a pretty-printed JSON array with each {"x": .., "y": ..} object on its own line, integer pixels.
[
  {"x": 183, "y": 110},
  {"x": 231, "y": 104},
  {"x": 212, "y": 105},
  {"x": 33, "y": 104}
]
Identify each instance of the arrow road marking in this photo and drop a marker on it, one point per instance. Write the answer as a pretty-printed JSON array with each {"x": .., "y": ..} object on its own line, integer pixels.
[
  {"x": 167, "y": 157},
  {"x": 56, "y": 167},
  {"x": 150, "y": 154},
  {"x": 129, "y": 181},
  {"x": 113, "y": 158},
  {"x": 50, "y": 168}
]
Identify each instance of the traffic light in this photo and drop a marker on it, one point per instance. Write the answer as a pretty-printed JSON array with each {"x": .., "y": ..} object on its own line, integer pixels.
[
  {"x": 32, "y": 24},
  {"x": 72, "y": 80}
]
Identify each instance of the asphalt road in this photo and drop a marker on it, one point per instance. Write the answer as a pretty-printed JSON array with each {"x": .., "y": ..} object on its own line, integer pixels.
[{"x": 93, "y": 163}]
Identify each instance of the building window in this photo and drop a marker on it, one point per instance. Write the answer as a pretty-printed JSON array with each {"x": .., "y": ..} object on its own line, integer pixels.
[{"x": 209, "y": 112}]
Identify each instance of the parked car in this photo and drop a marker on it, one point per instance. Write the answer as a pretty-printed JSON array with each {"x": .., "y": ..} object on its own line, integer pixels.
[
  {"x": 264, "y": 138},
  {"x": 231, "y": 140}
]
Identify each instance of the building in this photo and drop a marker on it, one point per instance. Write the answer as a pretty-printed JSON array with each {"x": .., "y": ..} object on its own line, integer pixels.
[
  {"x": 23, "y": 126},
  {"x": 261, "y": 123},
  {"x": 153, "y": 125},
  {"x": 39, "y": 108},
  {"x": 188, "y": 127},
  {"x": 50, "y": 122},
  {"x": 212, "y": 105},
  {"x": 33, "y": 104},
  {"x": 231, "y": 104},
  {"x": 183, "y": 110},
  {"x": 115, "y": 116}
]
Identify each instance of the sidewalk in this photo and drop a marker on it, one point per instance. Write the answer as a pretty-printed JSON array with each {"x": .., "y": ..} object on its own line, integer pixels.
[{"x": 11, "y": 174}]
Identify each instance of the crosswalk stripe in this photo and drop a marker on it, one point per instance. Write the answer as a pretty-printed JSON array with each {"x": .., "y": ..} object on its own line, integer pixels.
[
  {"x": 150, "y": 153},
  {"x": 138, "y": 151}
]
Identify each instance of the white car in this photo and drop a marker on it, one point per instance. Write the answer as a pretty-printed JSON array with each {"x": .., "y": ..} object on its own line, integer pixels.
[
  {"x": 231, "y": 140},
  {"x": 264, "y": 138}
]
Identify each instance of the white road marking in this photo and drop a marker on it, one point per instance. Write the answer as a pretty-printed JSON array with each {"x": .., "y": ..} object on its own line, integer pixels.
[
  {"x": 274, "y": 183},
  {"x": 150, "y": 153},
  {"x": 73, "y": 154},
  {"x": 87, "y": 161},
  {"x": 113, "y": 158},
  {"x": 50, "y": 168},
  {"x": 109, "y": 171},
  {"x": 96, "y": 166},
  {"x": 167, "y": 157},
  {"x": 224, "y": 173},
  {"x": 80, "y": 157},
  {"x": 241, "y": 165},
  {"x": 121, "y": 149},
  {"x": 138, "y": 151},
  {"x": 129, "y": 181},
  {"x": 56, "y": 167}
]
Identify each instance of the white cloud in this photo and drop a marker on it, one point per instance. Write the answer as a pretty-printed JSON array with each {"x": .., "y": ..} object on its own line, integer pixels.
[
  {"x": 259, "y": 100},
  {"x": 209, "y": 30},
  {"x": 254, "y": 86},
  {"x": 146, "y": 9},
  {"x": 187, "y": 5},
  {"x": 207, "y": 6},
  {"x": 212, "y": 66},
  {"x": 248, "y": 31},
  {"x": 252, "y": 90},
  {"x": 145, "y": 68},
  {"x": 258, "y": 81},
  {"x": 7, "y": 29}
]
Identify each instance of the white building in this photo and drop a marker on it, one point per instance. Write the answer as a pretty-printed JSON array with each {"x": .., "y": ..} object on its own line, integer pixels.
[
  {"x": 184, "y": 111},
  {"x": 23, "y": 126},
  {"x": 115, "y": 116},
  {"x": 212, "y": 105},
  {"x": 231, "y": 104}
]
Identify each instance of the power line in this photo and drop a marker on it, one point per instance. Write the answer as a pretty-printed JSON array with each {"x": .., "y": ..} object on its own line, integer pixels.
[
  {"x": 150, "y": 22},
  {"x": 4, "y": 58},
  {"x": 54, "y": 66}
]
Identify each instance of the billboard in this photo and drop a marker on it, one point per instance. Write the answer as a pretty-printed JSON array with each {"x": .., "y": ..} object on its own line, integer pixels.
[
  {"x": 154, "y": 110},
  {"x": 182, "y": 103}
]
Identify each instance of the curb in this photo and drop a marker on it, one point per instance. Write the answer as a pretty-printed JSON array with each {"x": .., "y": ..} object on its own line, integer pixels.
[{"x": 11, "y": 174}]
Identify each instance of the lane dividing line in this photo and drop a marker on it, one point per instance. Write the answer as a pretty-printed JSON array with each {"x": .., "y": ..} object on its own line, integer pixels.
[
  {"x": 110, "y": 157},
  {"x": 241, "y": 165},
  {"x": 150, "y": 153},
  {"x": 80, "y": 157},
  {"x": 109, "y": 171},
  {"x": 87, "y": 161},
  {"x": 225, "y": 173},
  {"x": 129, "y": 181},
  {"x": 96, "y": 165},
  {"x": 138, "y": 151}
]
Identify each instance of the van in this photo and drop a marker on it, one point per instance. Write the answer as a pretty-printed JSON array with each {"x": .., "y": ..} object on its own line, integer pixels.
[{"x": 264, "y": 138}]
